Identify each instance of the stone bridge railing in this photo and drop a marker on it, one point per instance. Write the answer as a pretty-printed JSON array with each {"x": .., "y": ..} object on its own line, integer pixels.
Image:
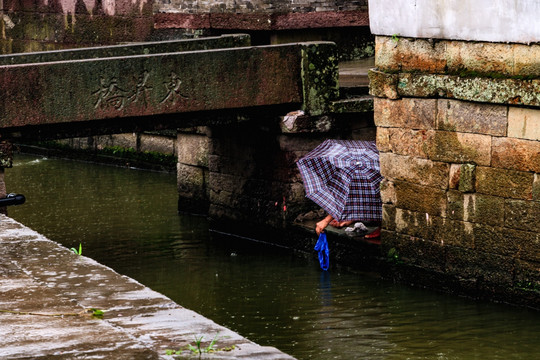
[
  {"x": 37, "y": 96},
  {"x": 130, "y": 49}
]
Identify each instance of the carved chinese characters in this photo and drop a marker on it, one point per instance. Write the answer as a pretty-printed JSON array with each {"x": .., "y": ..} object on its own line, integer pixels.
[{"x": 111, "y": 95}]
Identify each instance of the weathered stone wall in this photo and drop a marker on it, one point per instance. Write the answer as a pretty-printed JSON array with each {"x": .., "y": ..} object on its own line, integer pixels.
[
  {"x": 460, "y": 154},
  {"x": 45, "y": 25},
  {"x": 192, "y": 169},
  {"x": 162, "y": 143},
  {"x": 254, "y": 185},
  {"x": 260, "y": 14}
]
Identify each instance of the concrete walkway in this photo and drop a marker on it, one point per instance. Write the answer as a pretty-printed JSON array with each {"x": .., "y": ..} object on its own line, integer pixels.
[{"x": 46, "y": 290}]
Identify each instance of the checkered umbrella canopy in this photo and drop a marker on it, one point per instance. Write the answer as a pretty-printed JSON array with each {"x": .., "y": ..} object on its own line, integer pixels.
[{"x": 343, "y": 177}]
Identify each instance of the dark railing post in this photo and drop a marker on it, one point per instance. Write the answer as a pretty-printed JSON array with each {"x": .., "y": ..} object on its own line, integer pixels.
[{"x": 6, "y": 161}]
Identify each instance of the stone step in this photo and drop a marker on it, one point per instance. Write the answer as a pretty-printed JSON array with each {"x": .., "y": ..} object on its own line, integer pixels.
[
  {"x": 355, "y": 73},
  {"x": 50, "y": 298},
  {"x": 358, "y": 104},
  {"x": 353, "y": 92}
]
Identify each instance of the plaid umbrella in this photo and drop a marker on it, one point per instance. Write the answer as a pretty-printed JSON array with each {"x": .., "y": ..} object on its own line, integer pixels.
[{"x": 343, "y": 177}]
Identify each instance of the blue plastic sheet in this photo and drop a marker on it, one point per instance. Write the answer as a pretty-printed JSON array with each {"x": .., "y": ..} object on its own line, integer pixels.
[{"x": 322, "y": 248}]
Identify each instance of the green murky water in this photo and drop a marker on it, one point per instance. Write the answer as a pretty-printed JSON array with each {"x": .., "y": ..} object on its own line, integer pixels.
[{"x": 127, "y": 220}]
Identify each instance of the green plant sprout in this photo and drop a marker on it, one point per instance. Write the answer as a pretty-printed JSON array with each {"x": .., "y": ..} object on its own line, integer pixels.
[
  {"x": 96, "y": 313},
  {"x": 395, "y": 37},
  {"x": 528, "y": 286},
  {"x": 78, "y": 252},
  {"x": 198, "y": 349},
  {"x": 393, "y": 256}
]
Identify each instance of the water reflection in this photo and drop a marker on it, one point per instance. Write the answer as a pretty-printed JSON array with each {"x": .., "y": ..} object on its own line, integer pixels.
[
  {"x": 127, "y": 220},
  {"x": 325, "y": 288}
]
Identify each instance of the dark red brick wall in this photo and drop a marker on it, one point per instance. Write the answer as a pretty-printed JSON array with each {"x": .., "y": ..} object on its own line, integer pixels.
[
  {"x": 265, "y": 6},
  {"x": 259, "y": 14}
]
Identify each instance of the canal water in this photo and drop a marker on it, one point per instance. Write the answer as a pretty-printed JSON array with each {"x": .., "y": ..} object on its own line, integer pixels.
[{"x": 127, "y": 219}]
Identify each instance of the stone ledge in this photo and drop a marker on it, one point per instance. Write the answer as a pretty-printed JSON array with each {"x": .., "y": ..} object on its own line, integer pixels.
[
  {"x": 479, "y": 89},
  {"x": 40, "y": 276},
  {"x": 130, "y": 49},
  {"x": 456, "y": 57},
  {"x": 360, "y": 104},
  {"x": 296, "y": 122}
]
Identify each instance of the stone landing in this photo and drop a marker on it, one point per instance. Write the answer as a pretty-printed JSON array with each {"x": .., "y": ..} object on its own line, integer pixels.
[{"x": 46, "y": 290}]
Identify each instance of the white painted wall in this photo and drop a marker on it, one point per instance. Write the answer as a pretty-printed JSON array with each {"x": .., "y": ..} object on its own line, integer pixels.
[{"x": 481, "y": 20}]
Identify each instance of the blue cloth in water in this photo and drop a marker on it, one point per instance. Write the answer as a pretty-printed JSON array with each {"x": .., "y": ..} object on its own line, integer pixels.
[{"x": 322, "y": 248}]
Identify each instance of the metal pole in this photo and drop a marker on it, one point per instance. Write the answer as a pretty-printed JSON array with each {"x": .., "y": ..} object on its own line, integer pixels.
[{"x": 3, "y": 209}]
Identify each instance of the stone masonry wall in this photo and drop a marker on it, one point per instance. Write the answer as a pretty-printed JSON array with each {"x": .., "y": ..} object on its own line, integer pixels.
[
  {"x": 460, "y": 154},
  {"x": 253, "y": 179},
  {"x": 192, "y": 169}
]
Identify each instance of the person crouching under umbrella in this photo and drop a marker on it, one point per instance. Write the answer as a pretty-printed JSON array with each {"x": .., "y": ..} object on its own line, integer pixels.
[{"x": 343, "y": 177}]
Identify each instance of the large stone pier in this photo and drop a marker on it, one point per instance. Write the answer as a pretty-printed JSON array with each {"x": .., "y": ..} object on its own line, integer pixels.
[{"x": 457, "y": 116}]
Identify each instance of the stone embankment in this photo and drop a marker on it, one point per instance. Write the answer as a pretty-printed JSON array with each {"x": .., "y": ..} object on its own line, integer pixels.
[
  {"x": 50, "y": 294},
  {"x": 457, "y": 133}
]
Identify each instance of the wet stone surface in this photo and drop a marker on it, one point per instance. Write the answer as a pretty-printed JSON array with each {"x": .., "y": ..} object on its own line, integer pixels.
[{"x": 46, "y": 291}]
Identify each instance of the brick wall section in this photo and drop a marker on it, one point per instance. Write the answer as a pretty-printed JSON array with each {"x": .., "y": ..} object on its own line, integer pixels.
[
  {"x": 265, "y": 6},
  {"x": 462, "y": 187}
]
